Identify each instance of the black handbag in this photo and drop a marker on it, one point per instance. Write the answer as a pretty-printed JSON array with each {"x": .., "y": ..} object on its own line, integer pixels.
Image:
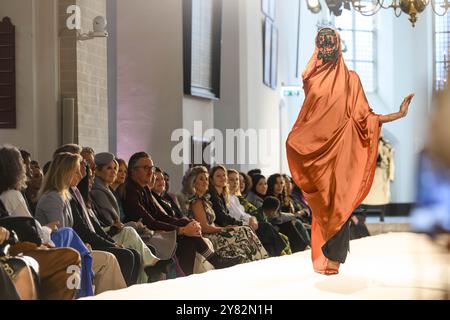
[
  {"x": 10, "y": 267},
  {"x": 25, "y": 228}
]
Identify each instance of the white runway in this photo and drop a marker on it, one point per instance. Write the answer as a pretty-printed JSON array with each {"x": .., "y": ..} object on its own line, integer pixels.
[{"x": 389, "y": 266}]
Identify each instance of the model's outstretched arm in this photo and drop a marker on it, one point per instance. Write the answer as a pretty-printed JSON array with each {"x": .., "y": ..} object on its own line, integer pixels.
[{"x": 398, "y": 115}]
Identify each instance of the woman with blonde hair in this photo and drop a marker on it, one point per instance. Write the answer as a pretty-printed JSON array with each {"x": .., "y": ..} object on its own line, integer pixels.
[
  {"x": 54, "y": 205},
  {"x": 55, "y": 190},
  {"x": 40, "y": 245},
  {"x": 229, "y": 239}
]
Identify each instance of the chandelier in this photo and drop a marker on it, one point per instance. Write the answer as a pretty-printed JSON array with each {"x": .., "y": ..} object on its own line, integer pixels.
[{"x": 371, "y": 7}]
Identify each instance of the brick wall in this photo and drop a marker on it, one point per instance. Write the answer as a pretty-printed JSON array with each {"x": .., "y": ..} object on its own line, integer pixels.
[{"x": 83, "y": 75}]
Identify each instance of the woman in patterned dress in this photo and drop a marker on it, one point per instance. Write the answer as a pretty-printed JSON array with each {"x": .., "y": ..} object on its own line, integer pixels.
[{"x": 230, "y": 240}]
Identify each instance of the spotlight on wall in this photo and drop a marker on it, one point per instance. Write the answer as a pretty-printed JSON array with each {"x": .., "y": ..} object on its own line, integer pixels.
[{"x": 99, "y": 25}]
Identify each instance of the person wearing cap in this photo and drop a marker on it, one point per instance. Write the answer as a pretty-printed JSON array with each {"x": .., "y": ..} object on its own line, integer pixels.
[{"x": 106, "y": 210}]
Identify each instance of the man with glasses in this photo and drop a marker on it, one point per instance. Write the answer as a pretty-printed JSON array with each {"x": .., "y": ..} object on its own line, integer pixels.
[{"x": 140, "y": 205}]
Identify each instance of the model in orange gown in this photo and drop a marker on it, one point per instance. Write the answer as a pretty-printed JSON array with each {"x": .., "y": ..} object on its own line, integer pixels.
[{"x": 332, "y": 148}]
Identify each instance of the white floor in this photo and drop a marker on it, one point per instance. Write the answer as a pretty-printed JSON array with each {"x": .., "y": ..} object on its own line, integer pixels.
[{"x": 389, "y": 266}]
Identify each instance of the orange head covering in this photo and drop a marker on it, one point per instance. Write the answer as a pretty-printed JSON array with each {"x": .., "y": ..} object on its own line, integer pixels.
[{"x": 333, "y": 145}]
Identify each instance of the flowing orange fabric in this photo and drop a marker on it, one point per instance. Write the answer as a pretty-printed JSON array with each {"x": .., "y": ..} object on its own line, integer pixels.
[{"x": 332, "y": 148}]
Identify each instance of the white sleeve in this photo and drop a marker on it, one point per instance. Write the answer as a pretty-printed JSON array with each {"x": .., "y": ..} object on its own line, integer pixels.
[
  {"x": 237, "y": 211},
  {"x": 15, "y": 204},
  {"x": 45, "y": 233}
]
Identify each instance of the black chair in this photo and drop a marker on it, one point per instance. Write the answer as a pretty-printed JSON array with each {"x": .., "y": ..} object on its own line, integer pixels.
[
  {"x": 3, "y": 212},
  {"x": 25, "y": 228}
]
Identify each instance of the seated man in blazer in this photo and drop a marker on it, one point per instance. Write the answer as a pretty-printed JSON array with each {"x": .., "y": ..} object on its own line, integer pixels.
[{"x": 140, "y": 204}]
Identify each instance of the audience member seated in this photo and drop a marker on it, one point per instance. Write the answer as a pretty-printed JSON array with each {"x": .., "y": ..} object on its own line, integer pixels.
[
  {"x": 118, "y": 187},
  {"x": 224, "y": 237},
  {"x": 33, "y": 186},
  {"x": 171, "y": 208},
  {"x": 162, "y": 244},
  {"x": 105, "y": 207},
  {"x": 276, "y": 188},
  {"x": 88, "y": 228},
  {"x": 245, "y": 183},
  {"x": 235, "y": 209},
  {"x": 185, "y": 195},
  {"x": 54, "y": 205},
  {"x": 139, "y": 204},
  {"x": 91, "y": 232},
  {"x": 258, "y": 191},
  {"x": 88, "y": 155},
  {"x": 168, "y": 196},
  {"x": 272, "y": 241},
  {"x": 164, "y": 199},
  {"x": 297, "y": 207},
  {"x": 298, "y": 197},
  {"x": 12, "y": 179},
  {"x": 26, "y": 157},
  {"x": 286, "y": 225},
  {"x": 253, "y": 172}
]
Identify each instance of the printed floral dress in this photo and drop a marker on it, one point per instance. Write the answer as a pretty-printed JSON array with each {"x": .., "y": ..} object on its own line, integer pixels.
[{"x": 231, "y": 242}]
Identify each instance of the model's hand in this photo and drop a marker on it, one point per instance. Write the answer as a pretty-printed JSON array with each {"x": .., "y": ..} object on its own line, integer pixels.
[{"x": 405, "y": 104}]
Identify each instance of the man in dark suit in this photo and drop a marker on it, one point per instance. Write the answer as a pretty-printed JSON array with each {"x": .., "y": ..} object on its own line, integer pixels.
[{"x": 139, "y": 204}]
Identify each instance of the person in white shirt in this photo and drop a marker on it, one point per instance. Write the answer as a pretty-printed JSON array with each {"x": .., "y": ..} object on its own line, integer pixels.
[
  {"x": 241, "y": 209},
  {"x": 236, "y": 210},
  {"x": 13, "y": 181}
]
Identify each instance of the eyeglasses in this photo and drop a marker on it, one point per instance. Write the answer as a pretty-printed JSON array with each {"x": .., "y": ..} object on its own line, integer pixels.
[{"x": 147, "y": 168}]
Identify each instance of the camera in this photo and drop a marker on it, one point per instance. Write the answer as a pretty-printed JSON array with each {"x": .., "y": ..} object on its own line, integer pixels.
[{"x": 100, "y": 27}]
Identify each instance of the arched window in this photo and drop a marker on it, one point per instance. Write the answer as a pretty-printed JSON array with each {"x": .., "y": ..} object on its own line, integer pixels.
[{"x": 359, "y": 36}]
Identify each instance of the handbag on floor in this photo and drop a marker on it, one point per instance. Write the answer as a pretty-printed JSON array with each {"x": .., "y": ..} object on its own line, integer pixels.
[{"x": 10, "y": 267}]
